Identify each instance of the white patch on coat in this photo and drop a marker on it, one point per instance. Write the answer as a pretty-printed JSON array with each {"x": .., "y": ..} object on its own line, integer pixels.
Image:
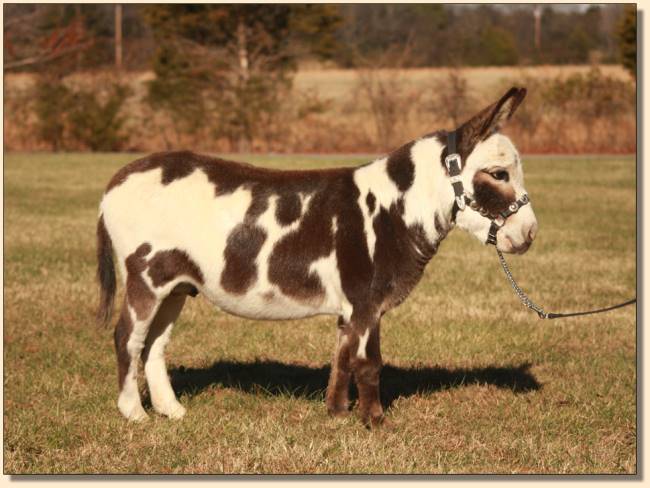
[
  {"x": 328, "y": 272},
  {"x": 374, "y": 178},
  {"x": 184, "y": 214},
  {"x": 430, "y": 193},
  {"x": 363, "y": 342}
]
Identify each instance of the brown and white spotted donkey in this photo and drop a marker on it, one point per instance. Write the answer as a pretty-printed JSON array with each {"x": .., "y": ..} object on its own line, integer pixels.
[{"x": 269, "y": 244}]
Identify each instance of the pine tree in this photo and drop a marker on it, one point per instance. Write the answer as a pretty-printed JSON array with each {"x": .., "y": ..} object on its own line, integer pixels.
[
  {"x": 227, "y": 66},
  {"x": 627, "y": 39}
]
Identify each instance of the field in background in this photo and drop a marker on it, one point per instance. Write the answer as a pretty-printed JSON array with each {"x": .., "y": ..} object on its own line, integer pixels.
[
  {"x": 332, "y": 111},
  {"x": 336, "y": 83},
  {"x": 474, "y": 383}
]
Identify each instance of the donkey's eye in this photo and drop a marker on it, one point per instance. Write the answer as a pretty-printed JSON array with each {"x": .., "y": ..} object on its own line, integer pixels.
[{"x": 500, "y": 175}]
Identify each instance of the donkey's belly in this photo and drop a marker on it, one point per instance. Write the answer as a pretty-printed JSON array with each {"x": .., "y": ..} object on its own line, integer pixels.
[{"x": 270, "y": 304}]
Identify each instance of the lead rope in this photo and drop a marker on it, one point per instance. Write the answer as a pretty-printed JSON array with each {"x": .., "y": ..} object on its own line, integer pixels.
[{"x": 540, "y": 311}]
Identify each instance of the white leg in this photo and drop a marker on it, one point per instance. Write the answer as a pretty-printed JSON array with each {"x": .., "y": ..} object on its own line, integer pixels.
[
  {"x": 163, "y": 398},
  {"x": 129, "y": 399}
]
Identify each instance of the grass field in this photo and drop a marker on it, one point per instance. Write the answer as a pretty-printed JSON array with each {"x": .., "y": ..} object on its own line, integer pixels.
[{"x": 473, "y": 382}]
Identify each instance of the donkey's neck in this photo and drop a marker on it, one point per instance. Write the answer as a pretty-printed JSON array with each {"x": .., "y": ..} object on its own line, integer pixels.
[
  {"x": 409, "y": 183},
  {"x": 406, "y": 208}
]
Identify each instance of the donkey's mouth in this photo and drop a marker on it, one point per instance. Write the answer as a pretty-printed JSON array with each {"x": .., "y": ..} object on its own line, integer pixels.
[{"x": 510, "y": 248}]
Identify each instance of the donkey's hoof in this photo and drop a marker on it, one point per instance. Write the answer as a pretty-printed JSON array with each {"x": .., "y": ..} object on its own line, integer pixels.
[
  {"x": 375, "y": 420},
  {"x": 172, "y": 408},
  {"x": 131, "y": 408},
  {"x": 338, "y": 411},
  {"x": 135, "y": 414},
  {"x": 176, "y": 412}
]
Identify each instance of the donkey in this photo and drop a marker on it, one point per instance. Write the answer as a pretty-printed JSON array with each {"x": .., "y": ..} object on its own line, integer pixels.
[{"x": 271, "y": 244}]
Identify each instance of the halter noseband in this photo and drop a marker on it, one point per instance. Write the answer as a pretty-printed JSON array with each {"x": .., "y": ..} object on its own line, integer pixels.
[{"x": 462, "y": 198}]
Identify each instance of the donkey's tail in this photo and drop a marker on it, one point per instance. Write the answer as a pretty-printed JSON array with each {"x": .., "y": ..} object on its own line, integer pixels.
[{"x": 105, "y": 273}]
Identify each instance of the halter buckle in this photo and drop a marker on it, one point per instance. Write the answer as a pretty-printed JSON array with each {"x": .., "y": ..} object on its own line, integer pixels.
[
  {"x": 452, "y": 162},
  {"x": 453, "y": 158}
]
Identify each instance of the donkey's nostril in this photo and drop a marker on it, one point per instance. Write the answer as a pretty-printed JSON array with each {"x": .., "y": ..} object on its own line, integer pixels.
[{"x": 532, "y": 232}]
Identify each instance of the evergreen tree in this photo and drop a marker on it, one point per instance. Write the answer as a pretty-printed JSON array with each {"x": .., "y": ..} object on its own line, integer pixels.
[
  {"x": 237, "y": 58},
  {"x": 627, "y": 39}
]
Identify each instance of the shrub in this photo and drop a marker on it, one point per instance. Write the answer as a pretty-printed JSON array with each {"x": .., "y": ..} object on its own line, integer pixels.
[
  {"x": 68, "y": 118},
  {"x": 178, "y": 90},
  {"x": 452, "y": 99},
  {"x": 578, "y": 113},
  {"x": 52, "y": 101},
  {"x": 590, "y": 95},
  {"x": 96, "y": 124}
]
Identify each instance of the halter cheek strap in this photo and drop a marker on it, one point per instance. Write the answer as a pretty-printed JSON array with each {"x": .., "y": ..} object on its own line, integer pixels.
[{"x": 452, "y": 162}]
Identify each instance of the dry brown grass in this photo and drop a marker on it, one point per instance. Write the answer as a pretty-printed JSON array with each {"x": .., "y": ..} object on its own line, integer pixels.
[
  {"x": 347, "y": 123},
  {"x": 474, "y": 383}
]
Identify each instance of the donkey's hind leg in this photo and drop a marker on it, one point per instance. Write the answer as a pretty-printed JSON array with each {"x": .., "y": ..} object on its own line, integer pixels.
[
  {"x": 339, "y": 381},
  {"x": 130, "y": 333},
  {"x": 163, "y": 398}
]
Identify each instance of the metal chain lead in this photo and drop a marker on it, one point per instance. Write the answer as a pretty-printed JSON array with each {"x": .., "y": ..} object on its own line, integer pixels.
[{"x": 520, "y": 293}]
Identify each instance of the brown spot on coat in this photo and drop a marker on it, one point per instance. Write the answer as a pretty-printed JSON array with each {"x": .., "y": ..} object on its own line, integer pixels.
[
  {"x": 371, "y": 202},
  {"x": 292, "y": 255},
  {"x": 242, "y": 247},
  {"x": 494, "y": 196},
  {"x": 138, "y": 294},
  {"x": 174, "y": 165},
  {"x": 352, "y": 254},
  {"x": 288, "y": 209},
  {"x": 168, "y": 265},
  {"x": 401, "y": 253},
  {"x": 259, "y": 204},
  {"x": 400, "y": 167},
  {"x": 121, "y": 336}
]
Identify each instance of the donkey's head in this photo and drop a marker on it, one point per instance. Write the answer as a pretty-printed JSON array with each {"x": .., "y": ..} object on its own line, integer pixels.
[{"x": 492, "y": 175}]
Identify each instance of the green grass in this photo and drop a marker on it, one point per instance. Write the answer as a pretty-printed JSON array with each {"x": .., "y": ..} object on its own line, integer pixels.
[{"x": 474, "y": 382}]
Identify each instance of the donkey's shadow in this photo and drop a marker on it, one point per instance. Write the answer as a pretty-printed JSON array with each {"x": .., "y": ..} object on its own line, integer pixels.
[{"x": 275, "y": 378}]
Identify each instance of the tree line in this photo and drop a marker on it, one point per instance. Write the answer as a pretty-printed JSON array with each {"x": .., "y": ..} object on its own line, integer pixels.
[
  {"x": 224, "y": 72},
  {"x": 344, "y": 35}
]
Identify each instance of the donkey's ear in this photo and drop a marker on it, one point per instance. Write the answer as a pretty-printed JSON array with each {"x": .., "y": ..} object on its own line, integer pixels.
[
  {"x": 503, "y": 110},
  {"x": 491, "y": 119}
]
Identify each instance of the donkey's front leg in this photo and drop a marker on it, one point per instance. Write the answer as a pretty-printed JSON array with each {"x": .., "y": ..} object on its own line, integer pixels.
[{"x": 365, "y": 361}]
